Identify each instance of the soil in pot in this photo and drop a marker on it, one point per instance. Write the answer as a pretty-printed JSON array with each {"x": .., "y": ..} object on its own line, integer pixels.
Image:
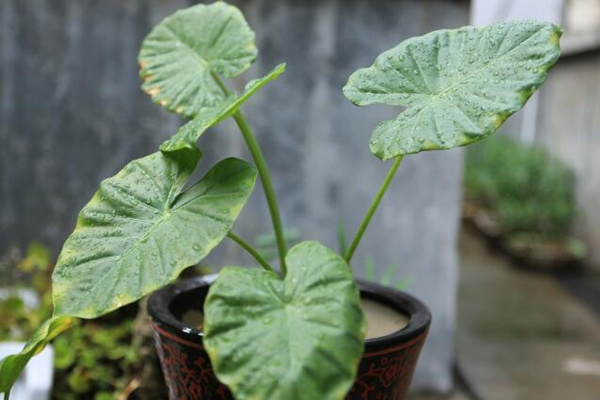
[{"x": 382, "y": 320}]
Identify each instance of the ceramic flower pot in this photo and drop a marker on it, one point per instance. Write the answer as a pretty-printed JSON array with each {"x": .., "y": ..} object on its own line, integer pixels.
[{"x": 385, "y": 371}]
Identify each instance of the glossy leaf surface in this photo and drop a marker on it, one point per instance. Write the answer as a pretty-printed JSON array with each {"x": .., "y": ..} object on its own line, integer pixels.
[
  {"x": 188, "y": 134},
  {"x": 301, "y": 337},
  {"x": 140, "y": 230},
  {"x": 179, "y": 56},
  {"x": 458, "y": 85},
  {"x": 11, "y": 366}
]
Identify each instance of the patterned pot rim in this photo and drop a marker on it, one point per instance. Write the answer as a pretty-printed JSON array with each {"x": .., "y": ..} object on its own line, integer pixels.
[{"x": 164, "y": 303}]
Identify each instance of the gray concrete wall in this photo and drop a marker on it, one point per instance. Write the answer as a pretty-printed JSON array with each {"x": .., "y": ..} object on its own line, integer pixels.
[{"x": 72, "y": 114}]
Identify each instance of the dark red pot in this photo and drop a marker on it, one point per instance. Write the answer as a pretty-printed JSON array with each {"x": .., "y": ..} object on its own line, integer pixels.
[{"x": 385, "y": 371}]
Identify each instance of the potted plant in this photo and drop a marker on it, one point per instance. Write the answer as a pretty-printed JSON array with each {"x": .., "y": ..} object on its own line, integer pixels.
[
  {"x": 522, "y": 200},
  {"x": 296, "y": 331}
]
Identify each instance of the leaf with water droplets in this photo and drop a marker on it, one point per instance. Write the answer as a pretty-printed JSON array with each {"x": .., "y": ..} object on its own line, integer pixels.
[
  {"x": 459, "y": 86},
  {"x": 180, "y": 55},
  {"x": 11, "y": 366},
  {"x": 140, "y": 230},
  {"x": 301, "y": 337},
  {"x": 188, "y": 134}
]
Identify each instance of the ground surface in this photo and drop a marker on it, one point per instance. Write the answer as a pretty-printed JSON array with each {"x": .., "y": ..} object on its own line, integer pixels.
[
  {"x": 456, "y": 395},
  {"x": 524, "y": 335}
]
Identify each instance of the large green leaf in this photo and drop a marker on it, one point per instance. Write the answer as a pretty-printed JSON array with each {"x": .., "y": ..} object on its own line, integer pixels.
[
  {"x": 188, "y": 134},
  {"x": 140, "y": 230},
  {"x": 179, "y": 56},
  {"x": 11, "y": 366},
  {"x": 458, "y": 85},
  {"x": 300, "y": 338}
]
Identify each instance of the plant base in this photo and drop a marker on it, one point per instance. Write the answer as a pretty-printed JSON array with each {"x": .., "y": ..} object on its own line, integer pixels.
[{"x": 385, "y": 371}]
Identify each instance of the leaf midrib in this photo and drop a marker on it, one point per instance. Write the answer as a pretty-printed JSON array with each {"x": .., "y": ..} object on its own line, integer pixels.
[
  {"x": 206, "y": 64},
  {"x": 165, "y": 216},
  {"x": 467, "y": 78}
]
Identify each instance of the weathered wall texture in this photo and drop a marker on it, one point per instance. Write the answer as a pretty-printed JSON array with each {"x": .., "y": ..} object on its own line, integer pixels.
[
  {"x": 72, "y": 114},
  {"x": 569, "y": 126}
]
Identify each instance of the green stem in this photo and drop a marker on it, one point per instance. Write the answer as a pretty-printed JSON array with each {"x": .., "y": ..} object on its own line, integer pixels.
[
  {"x": 365, "y": 222},
  {"x": 265, "y": 177},
  {"x": 220, "y": 84},
  {"x": 267, "y": 185},
  {"x": 251, "y": 250}
]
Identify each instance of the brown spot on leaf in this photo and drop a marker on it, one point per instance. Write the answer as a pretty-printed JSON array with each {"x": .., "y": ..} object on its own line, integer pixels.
[{"x": 154, "y": 91}]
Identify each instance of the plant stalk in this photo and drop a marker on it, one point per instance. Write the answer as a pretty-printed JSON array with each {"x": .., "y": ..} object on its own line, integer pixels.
[
  {"x": 251, "y": 250},
  {"x": 371, "y": 211},
  {"x": 265, "y": 178},
  {"x": 267, "y": 185}
]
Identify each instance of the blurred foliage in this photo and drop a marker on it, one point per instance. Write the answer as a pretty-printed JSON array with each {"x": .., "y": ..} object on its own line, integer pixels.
[
  {"x": 387, "y": 278},
  {"x": 539, "y": 248},
  {"x": 18, "y": 320},
  {"x": 267, "y": 244},
  {"x": 523, "y": 187},
  {"x": 95, "y": 359},
  {"x": 369, "y": 272}
]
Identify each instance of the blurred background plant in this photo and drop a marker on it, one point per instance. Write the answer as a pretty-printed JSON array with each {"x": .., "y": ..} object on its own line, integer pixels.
[
  {"x": 267, "y": 247},
  {"x": 25, "y": 300},
  {"x": 388, "y": 278},
  {"x": 524, "y": 196},
  {"x": 97, "y": 359},
  {"x": 524, "y": 188},
  {"x": 266, "y": 244}
]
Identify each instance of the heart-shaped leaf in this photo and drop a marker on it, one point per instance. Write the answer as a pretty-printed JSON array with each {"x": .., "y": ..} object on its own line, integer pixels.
[
  {"x": 139, "y": 231},
  {"x": 297, "y": 338},
  {"x": 458, "y": 85},
  {"x": 188, "y": 134},
  {"x": 180, "y": 55},
  {"x": 11, "y": 366}
]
